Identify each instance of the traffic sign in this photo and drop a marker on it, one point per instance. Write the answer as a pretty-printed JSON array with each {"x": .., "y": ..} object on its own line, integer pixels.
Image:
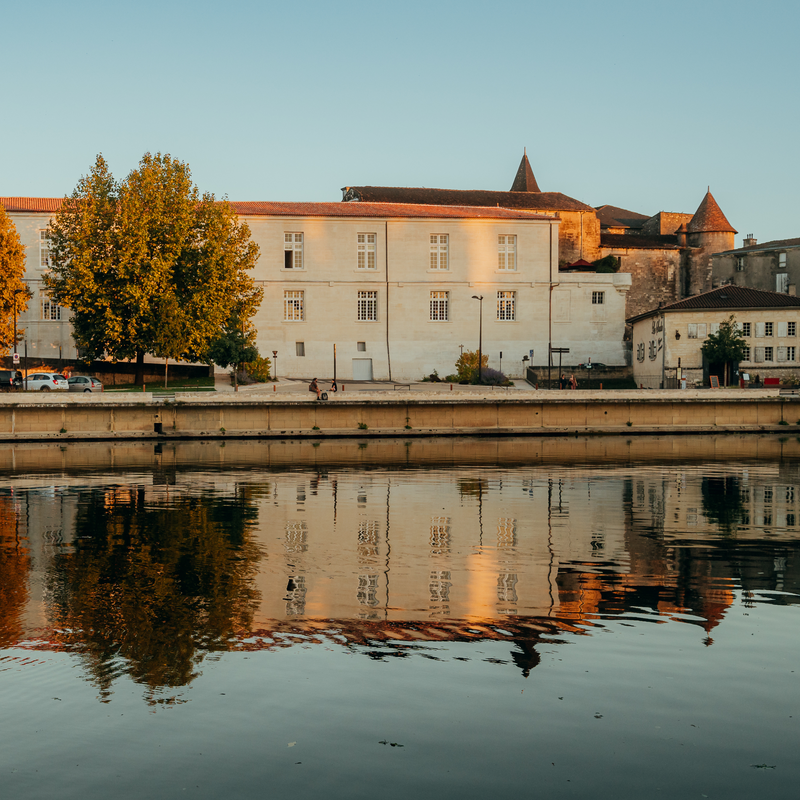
[{"x": 15, "y": 358}]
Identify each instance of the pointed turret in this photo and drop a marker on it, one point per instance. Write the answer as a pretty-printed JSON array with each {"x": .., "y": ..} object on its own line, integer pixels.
[
  {"x": 524, "y": 180},
  {"x": 709, "y": 218}
]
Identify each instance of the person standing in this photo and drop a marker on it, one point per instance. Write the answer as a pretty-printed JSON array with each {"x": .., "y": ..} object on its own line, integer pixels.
[{"x": 573, "y": 384}]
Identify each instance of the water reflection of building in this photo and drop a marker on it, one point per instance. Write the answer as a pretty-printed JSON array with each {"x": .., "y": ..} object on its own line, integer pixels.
[{"x": 412, "y": 555}]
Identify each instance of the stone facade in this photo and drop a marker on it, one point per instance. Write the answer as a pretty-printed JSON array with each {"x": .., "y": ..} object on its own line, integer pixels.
[{"x": 772, "y": 266}]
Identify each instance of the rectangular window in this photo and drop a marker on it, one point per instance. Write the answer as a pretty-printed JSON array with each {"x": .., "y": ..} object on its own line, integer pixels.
[
  {"x": 366, "y": 250},
  {"x": 740, "y": 263},
  {"x": 759, "y": 330},
  {"x": 294, "y": 306},
  {"x": 697, "y": 330},
  {"x": 598, "y": 298},
  {"x": 790, "y": 354},
  {"x": 44, "y": 249},
  {"x": 361, "y": 347},
  {"x": 781, "y": 354},
  {"x": 439, "y": 306},
  {"x": 782, "y": 282},
  {"x": 713, "y": 328},
  {"x": 439, "y": 248},
  {"x": 692, "y": 330},
  {"x": 781, "y": 260},
  {"x": 782, "y": 330},
  {"x": 791, "y": 329},
  {"x": 300, "y": 348},
  {"x": 50, "y": 311},
  {"x": 745, "y": 329},
  {"x": 767, "y": 329},
  {"x": 506, "y": 306},
  {"x": 759, "y": 355},
  {"x": 767, "y": 354},
  {"x": 746, "y": 356},
  {"x": 506, "y": 252},
  {"x": 367, "y": 306},
  {"x": 293, "y": 250}
]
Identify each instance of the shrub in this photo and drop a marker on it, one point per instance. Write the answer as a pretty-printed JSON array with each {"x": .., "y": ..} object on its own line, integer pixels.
[
  {"x": 258, "y": 370},
  {"x": 607, "y": 264},
  {"x": 467, "y": 365},
  {"x": 492, "y": 377}
]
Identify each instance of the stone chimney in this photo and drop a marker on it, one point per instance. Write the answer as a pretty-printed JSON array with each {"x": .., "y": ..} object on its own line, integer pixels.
[
  {"x": 749, "y": 241},
  {"x": 681, "y": 233}
]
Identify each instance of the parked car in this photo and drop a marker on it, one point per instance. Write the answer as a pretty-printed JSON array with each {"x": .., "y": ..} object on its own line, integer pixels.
[
  {"x": 47, "y": 382},
  {"x": 10, "y": 380},
  {"x": 83, "y": 383}
]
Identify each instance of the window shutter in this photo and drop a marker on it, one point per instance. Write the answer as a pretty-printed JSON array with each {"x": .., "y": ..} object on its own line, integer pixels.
[
  {"x": 759, "y": 355},
  {"x": 782, "y": 354},
  {"x": 714, "y": 328},
  {"x": 782, "y": 328},
  {"x": 701, "y": 330},
  {"x": 759, "y": 330},
  {"x": 692, "y": 330}
]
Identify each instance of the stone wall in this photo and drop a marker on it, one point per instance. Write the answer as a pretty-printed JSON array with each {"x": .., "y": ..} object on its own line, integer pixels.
[{"x": 578, "y": 237}]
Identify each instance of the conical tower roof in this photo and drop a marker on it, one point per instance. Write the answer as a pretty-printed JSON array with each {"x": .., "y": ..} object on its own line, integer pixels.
[
  {"x": 524, "y": 180},
  {"x": 709, "y": 218}
]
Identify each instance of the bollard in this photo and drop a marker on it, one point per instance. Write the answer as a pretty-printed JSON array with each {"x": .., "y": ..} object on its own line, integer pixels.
[
  {"x": 451, "y": 387},
  {"x": 274, "y": 387},
  {"x": 342, "y": 387},
  {"x": 601, "y": 385},
  {"x": 144, "y": 388}
]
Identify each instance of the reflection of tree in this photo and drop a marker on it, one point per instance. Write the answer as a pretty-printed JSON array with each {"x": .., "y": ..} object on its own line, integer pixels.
[
  {"x": 155, "y": 585},
  {"x": 722, "y": 501},
  {"x": 14, "y": 568}
]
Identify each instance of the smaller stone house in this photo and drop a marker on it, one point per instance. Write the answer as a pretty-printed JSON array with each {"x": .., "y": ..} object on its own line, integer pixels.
[
  {"x": 772, "y": 266},
  {"x": 671, "y": 337}
]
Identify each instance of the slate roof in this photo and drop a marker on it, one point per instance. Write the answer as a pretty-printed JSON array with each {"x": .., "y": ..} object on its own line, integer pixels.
[
  {"x": 261, "y": 208},
  {"x": 524, "y": 181},
  {"x": 633, "y": 241},
  {"x": 380, "y": 210},
  {"x": 533, "y": 201},
  {"x": 776, "y": 244},
  {"x": 727, "y": 298},
  {"x": 709, "y": 218},
  {"x": 615, "y": 217},
  {"x": 37, "y": 204}
]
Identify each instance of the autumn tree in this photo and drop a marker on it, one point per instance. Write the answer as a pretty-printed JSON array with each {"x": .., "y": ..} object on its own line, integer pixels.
[
  {"x": 725, "y": 346},
  {"x": 127, "y": 257},
  {"x": 12, "y": 288}
]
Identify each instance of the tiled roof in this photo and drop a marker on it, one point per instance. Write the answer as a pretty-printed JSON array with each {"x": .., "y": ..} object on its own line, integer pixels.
[
  {"x": 776, "y": 244},
  {"x": 615, "y": 217},
  {"x": 728, "y": 298},
  {"x": 632, "y": 241},
  {"x": 40, "y": 204},
  {"x": 258, "y": 208},
  {"x": 709, "y": 218},
  {"x": 533, "y": 201},
  {"x": 524, "y": 180},
  {"x": 380, "y": 210}
]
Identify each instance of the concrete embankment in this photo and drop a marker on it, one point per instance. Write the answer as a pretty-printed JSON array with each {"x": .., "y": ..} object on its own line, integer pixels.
[{"x": 26, "y": 417}]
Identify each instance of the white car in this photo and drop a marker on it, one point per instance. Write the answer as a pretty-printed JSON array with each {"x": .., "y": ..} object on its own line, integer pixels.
[{"x": 47, "y": 382}]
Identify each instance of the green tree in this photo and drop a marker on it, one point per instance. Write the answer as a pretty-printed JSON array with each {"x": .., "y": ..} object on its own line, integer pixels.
[
  {"x": 12, "y": 289},
  {"x": 234, "y": 345},
  {"x": 127, "y": 258},
  {"x": 725, "y": 346}
]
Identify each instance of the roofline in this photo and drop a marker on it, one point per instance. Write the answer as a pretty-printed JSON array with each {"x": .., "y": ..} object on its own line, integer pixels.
[
  {"x": 765, "y": 248},
  {"x": 730, "y": 309}
]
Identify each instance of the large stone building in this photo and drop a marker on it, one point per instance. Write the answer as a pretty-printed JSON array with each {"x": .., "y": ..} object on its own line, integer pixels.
[
  {"x": 668, "y": 255},
  {"x": 392, "y": 286}
]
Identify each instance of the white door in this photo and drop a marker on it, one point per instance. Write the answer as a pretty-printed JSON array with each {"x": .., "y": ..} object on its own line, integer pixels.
[{"x": 362, "y": 369}]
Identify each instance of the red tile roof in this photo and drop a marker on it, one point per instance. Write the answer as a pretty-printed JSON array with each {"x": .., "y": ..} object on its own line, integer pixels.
[
  {"x": 263, "y": 208},
  {"x": 38, "y": 204},
  {"x": 379, "y": 210},
  {"x": 709, "y": 218},
  {"x": 533, "y": 201},
  {"x": 616, "y": 217},
  {"x": 728, "y": 298}
]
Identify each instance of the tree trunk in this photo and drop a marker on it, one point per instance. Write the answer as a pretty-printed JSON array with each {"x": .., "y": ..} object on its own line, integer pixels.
[{"x": 139, "y": 379}]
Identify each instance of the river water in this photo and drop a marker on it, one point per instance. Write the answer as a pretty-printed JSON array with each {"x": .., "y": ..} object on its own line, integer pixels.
[{"x": 565, "y": 617}]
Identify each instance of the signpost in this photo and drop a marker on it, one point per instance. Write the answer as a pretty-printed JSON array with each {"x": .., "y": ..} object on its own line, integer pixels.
[{"x": 560, "y": 351}]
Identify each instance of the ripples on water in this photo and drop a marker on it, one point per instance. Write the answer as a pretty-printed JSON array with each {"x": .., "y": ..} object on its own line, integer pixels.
[{"x": 455, "y": 618}]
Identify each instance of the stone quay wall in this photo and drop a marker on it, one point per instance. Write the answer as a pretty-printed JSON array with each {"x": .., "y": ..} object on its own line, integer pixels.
[{"x": 360, "y": 415}]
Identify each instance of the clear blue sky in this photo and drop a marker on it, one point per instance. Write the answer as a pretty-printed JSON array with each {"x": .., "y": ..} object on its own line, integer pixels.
[{"x": 640, "y": 105}]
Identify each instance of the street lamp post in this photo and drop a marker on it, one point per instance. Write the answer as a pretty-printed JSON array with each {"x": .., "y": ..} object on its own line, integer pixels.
[
  {"x": 14, "y": 347},
  {"x": 275, "y": 361},
  {"x": 479, "y": 298}
]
